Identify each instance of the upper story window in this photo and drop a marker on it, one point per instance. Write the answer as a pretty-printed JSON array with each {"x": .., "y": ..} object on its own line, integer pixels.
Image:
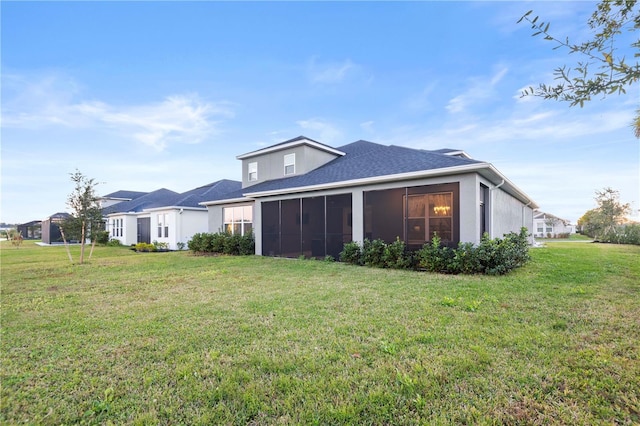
[
  {"x": 289, "y": 164},
  {"x": 253, "y": 172}
]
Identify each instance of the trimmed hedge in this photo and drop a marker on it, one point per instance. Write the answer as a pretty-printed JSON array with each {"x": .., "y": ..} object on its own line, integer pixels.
[
  {"x": 492, "y": 256},
  {"x": 222, "y": 243}
]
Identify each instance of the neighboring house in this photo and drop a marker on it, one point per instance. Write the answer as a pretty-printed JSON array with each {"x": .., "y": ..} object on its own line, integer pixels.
[
  {"x": 50, "y": 228},
  {"x": 31, "y": 230},
  {"x": 546, "y": 225},
  {"x": 306, "y": 198},
  {"x": 164, "y": 216}
]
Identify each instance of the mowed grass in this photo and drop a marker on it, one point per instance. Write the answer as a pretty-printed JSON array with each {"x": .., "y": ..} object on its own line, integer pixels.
[{"x": 172, "y": 338}]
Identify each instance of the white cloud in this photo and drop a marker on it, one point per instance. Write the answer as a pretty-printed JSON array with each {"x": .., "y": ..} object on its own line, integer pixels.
[
  {"x": 332, "y": 72},
  {"x": 321, "y": 130},
  {"x": 480, "y": 90},
  {"x": 367, "y": 126},
  {"x": 52, "y": 101}
]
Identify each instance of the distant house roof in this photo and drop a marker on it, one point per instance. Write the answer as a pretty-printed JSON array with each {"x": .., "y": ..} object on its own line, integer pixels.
[
  {"x": 157, "y": 198},
  {"x": 192, "y": 198},
  {"x": 164, "y": 198},
  {"x": 125, "y": 195},
  {"x": 59, "y": 215}
]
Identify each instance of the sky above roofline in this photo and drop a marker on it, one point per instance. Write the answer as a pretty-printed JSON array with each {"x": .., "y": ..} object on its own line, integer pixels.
[{"x": 146, "y": 95}]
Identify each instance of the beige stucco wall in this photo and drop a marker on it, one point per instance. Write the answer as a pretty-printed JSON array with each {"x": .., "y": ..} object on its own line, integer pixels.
[
  {"x": 271, "y": 164},
  {"x": 508, "y": 214}
]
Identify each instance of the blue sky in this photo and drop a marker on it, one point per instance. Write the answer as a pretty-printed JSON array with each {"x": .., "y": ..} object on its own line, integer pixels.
[{"x": 147, "y": 95}]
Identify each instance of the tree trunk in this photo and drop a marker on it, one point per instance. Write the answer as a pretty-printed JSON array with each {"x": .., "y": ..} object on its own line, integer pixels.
[
  {"x": 93, "y": 245},
  {"x": 66, "y": 245},
  {"x": 82, "y": 240}
]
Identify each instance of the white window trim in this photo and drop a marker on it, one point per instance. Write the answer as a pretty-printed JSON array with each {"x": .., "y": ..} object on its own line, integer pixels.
[
  {"x": 290, "y": 160},
  {"x": 252, "y": 168}
]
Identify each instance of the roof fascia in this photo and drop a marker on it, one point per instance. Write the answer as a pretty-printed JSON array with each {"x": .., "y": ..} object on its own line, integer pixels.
[
  {"x": 228, "y": 201},
  {"x": 490, "y": 172},
  {"x": 155, "y": 209},
  {"x": 292, "y": 144}
]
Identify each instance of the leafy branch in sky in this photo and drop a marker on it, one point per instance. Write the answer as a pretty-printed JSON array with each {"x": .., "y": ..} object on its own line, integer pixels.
[{"x": 603, "y": 70}]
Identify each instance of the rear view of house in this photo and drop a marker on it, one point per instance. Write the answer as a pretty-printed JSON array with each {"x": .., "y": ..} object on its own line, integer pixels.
[{"x": 307, "y": 198}]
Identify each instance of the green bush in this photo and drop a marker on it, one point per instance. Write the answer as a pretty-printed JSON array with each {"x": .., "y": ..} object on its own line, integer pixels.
[
  {"x": 102, "y": 237},
  {"x": 492, "y": 256},
  {"x": 145, "y": 247},
  {"x": 395, "y": 255},
  {"x": 373, "y": 253},
  {"x": 221, "y": 242},
  {"x": 231, "y": 245},
  {"x": 114, "y": 243},
  {"x": 351, "y": 253},
  {"x": 247, "y": 244}
]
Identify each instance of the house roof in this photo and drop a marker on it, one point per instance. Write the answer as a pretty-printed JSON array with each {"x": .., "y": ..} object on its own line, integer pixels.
[
  {"x": 297, "y": 141},
  {"x": 164, "y": 198},
  {"x": 125, "y": 195},
  {"x": 157, "y": 198},
  {"x": 364, "y": 160},
  {"x": 193, "y": 197}
]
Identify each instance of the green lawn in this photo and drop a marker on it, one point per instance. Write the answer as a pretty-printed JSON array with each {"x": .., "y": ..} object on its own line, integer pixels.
[{"x": 171, "y": 338}]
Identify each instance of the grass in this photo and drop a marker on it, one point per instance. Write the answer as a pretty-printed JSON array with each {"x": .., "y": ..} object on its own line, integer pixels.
[{"x": 171, "y": 338}]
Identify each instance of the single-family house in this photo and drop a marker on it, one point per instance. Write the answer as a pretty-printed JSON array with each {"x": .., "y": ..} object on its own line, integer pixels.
[
  {"x": 127, "y": 222},
  {"x": 546, "y": 225},
  {"x": 50, "y": 228},
  {"x": 31, "y": 230},
  {"x": 164, "y": 216},
  {"x": 302, "y": 197}
]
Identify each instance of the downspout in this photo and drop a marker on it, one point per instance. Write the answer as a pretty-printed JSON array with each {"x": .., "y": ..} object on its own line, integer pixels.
[
  {"x": 532, "y": 239},
  {"x": 491, "y": 206}
]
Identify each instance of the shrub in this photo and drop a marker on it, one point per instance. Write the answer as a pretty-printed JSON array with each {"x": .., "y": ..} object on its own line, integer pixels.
[
  {"x": 247, "y": 244},
  {"x": 221, "y": 242},
  {"x": 145, "y": 247},
  {"x": 102, "y": 237},
  {"x": 373, "y": 253},
  {"x": 231, "y": 244},
  {"x": 433, "y": 256},
  {"x": 114, "y": 243},
  {"x": 195, "y": 243},
  {"x": 395, "y": 255},
  {"x": 351, "y": 253}
]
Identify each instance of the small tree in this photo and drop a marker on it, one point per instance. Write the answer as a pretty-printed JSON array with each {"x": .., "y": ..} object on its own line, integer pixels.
[
  {"x": 86, "y": 216},
  {"x": 602, "y": 221}
]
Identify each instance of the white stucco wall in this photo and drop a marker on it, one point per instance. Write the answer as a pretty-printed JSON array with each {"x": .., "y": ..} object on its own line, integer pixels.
[
  {"x": 129, "y": 229},
  {"x": 183, "y": 224}
]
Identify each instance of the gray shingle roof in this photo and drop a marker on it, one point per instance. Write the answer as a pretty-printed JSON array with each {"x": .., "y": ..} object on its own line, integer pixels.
[
  {"x": 166, "y": 198},
  {"x": 208, "y": 192},
  {"x": 363, "y": 160},
  {"x": 157, "y": 198},
  {"x": 126, "y": 195}
]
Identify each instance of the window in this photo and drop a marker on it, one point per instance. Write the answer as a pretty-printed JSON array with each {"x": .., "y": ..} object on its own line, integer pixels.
[
  {"x": 413, "y": 214},
  {"x": 163, "y": 226},
  {"x": 289, "y": 164},
  {"x": 549, "y": 229},
  {"x": 238, "y": 220},
  {"x": 429, "y": 215},
  {"x": 253, "y": 172},
  {"x": 116, "y": 224}
]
